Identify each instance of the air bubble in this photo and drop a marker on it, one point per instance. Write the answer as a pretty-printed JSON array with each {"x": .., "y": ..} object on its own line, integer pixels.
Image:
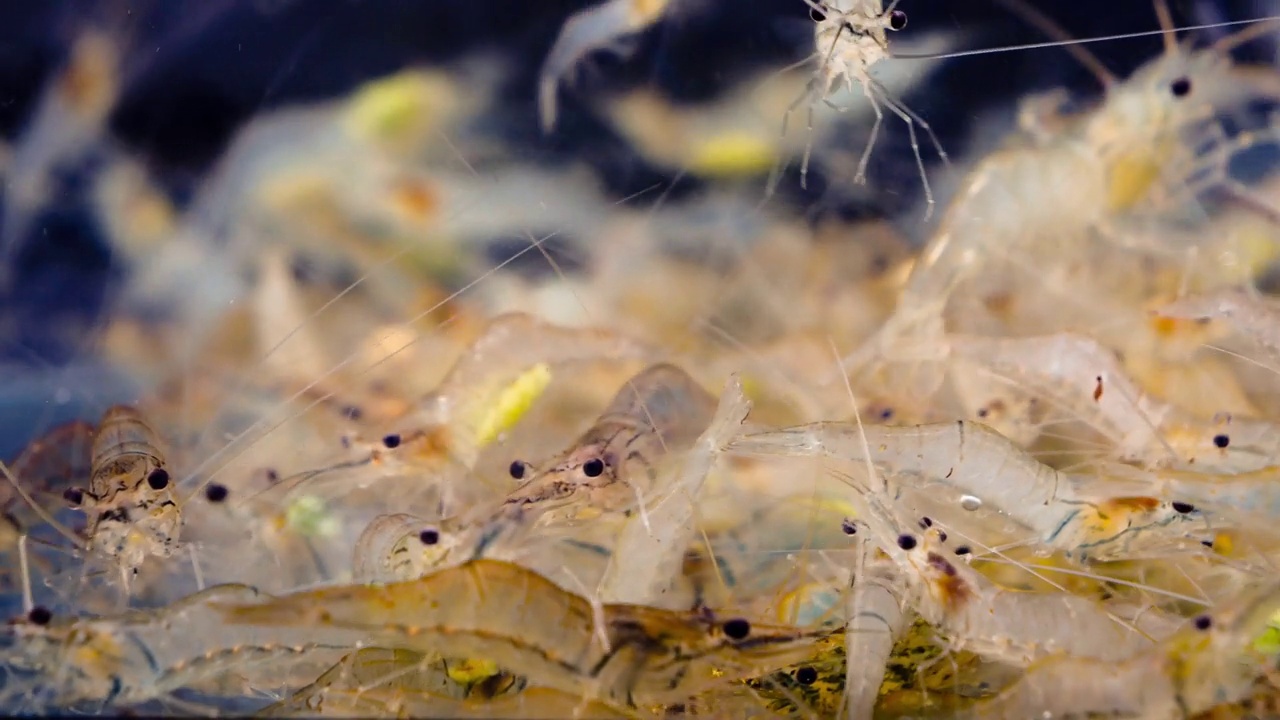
[{"x": 970, "y": 502}]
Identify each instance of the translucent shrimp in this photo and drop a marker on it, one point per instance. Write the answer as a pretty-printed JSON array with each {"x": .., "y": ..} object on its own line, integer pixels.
[
  {"x": 595, "y": 28},
  {"x": 403, "y": 547},
  {"x": 1080, "y": 376},
  {"x": 850, "y": 36},
  {"x": 1125, "y": 171},
  {"x": 377, "y": 679},
  {"x": 147, "y": 654},
  {"x": 518, "y": 619},
  {"x": 1214, "y": 661},
  {"x": 1251, "y": 314},
  {"x": 876, "y": 619},
  {"x": 1019, "y": 627},
  {"x": 651, "y": 548},
  {"x": 1066, "y": 512}
]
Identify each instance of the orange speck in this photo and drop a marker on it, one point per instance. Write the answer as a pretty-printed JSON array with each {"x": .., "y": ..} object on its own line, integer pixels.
[{"x": 416, "y": 199}]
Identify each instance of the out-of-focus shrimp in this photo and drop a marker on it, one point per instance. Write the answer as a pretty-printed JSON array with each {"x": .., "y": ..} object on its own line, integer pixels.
[
  {"x": 1123, "y": 170},
  {"x": 1214, "y": 661},
  {"x": 1255, "y": 316},
  {"x": 518, "y": 619},
  {"x": 595, "y": 28}
]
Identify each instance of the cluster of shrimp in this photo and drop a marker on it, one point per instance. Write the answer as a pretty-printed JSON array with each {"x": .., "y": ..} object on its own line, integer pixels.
[{"x": 1044, "y": 481}]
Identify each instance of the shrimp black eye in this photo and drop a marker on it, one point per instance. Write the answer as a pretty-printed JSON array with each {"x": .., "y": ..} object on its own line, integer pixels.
[
  {"x": 593, "y": 467},
  {"x": 897, "y": 20},
  {"x": 1180, "y": 87},
  {"x": 816, "y": 15},
  {"x": 737, "y": 629},
  {"x": 429, "y": 537},
  {"x": 158, "y": 479},
  {"x": 806, "y": 675},
  {"x": 906, "y": 542},
  {"x": 215, "y": 493},
  {"x": 392, "y": 441},
  {"x": 40, "y": 615},
  {"x": 517, "y": 469},
  {"x": 73, "y": 496}
]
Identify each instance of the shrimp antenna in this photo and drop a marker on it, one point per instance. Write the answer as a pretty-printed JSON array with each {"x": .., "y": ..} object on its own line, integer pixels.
[
  {"x": 1078, "y": 41},
  {"x": 1167, "y": 30},
  {"x": 1231, "y": 42},
  {"x": 1051, "y": 28}
]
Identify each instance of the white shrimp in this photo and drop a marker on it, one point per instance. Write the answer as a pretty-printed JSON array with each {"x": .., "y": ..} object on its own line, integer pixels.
[
  {"x": 146, "y": 654},
  {"x": 595, "y": 28},
  {"x": 849, "y": 41}
]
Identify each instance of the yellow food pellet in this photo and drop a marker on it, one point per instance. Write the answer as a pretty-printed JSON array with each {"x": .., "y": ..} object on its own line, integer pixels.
[
  {"x": 470, "y": 672},
  {"x": 512, "y": 403},
  {"x": 733, "y": 155}
]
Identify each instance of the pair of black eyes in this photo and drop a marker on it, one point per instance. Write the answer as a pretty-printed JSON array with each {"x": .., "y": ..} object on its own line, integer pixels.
[
  {"x": 591, "y": 468},
  {"x": 897, "y": 18}
]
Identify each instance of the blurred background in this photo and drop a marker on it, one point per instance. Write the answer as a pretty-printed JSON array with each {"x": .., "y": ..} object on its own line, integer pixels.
[{"x": 186, "y": 79}]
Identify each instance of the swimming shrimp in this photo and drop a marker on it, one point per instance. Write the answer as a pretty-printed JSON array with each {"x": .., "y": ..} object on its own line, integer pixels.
[
  {"x": 850, "y": 36},
  {"x": 520, "y": 620},
  {"x": 595, "y": 28}
]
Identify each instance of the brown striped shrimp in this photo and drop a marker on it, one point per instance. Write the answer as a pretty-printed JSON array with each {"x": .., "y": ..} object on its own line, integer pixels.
[
  {"x": 622, "y": 654},
  {"x": 1213, "y": 661}
]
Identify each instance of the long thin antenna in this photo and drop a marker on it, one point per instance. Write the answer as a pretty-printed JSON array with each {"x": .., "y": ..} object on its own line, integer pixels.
[
  {"x": 1231, "y": 42},
  {"x": 1048, "y": 26},
  {"x": 1080, "y": 41},
  {"x": 1167, "y": 31}
]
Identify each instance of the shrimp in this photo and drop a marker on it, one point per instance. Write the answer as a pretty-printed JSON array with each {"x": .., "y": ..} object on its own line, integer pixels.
[
  {"x": 520, "y": 620},
  {"x": 594, "y": 28},
  {"x": 1079, "y": 515},
  {"x": 1253, "y": 315},
  {"x": 876, "y": 619},
  {"x": 1214, "y": 661},
  {"x": 377, "y": 677},
  {"x": 404, "y": 547},
  {"x": 652, "y": 546},
  {"x": 1083, "y": 377},
  {"x": 146, "y": 654},
  {"x": 133, "y": 510},
  {"x": 657, "y": 413},
  {"x": 1122, "y": 172},
  {"x": 850, "y": 36}
]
